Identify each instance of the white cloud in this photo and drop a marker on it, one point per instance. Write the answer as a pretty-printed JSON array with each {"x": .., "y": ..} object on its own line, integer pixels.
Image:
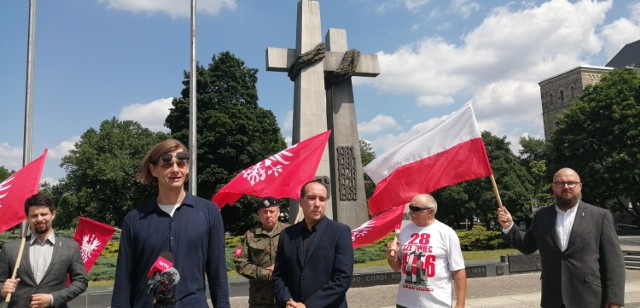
[
  {"x": 10, "y": 156},
  {"x": 414, "y": 4},
  {"x": 465, "y": 7},
  {"x": 63, "y": 148},
  {"x": 386, "y": 142},
  {"x": 497, "y": 65},
  {"x": 377, "y": 124},
  {"x": 619, "y": 33},
  {"x": 173, "y": 8},
  {"x": 150, "y": 115},
  {"x": 287, "y": 122}
]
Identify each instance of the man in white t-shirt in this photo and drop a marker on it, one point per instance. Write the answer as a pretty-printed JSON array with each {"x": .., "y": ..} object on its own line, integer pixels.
[{"x": 428, "y": 255}]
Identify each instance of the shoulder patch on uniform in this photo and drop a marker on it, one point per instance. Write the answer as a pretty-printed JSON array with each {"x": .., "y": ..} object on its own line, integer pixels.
[{"x": 238, "y": 252}]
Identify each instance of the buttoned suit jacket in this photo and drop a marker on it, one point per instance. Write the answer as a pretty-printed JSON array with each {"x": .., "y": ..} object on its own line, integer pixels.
[
  {"x": 65, "y": 260},
  {"x": 590, "y": 272},
  {"x": 320, "y": 278}
]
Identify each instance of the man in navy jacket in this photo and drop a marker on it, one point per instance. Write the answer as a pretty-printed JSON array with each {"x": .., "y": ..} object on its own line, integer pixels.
[{"x": 314, "y": 260}]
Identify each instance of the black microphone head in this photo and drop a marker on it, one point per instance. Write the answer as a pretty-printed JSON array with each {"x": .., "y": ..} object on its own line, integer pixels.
[
  {"x": 170, "y": 276},
  {"x": 167, "y": 255}
]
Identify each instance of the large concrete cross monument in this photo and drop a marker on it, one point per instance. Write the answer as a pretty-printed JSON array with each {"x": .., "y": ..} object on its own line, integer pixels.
[{"x": 323, "y": 99}]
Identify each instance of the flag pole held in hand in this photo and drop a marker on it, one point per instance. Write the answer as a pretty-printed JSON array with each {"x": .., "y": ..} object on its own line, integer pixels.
[{"x": 19, "y": 258}]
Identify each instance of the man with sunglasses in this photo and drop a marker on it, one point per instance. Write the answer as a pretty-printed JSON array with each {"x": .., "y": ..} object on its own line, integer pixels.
[
  {"x": 582, "y": 263},
  {"x": 428, "y": 255},
  {"x": 174, "y": 223}
]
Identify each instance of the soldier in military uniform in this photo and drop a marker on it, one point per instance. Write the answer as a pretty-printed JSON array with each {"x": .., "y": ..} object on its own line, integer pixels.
[{"x": 255, "y": 258}]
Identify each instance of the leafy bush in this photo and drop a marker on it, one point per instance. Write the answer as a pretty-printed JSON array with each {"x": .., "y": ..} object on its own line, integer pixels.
[
  {"x": 104, "y": 268},
  {"x": 478, "y": 238}
]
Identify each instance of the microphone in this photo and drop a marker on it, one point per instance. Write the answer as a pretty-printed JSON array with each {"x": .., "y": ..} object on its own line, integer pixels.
[
  {"x": 164, "y": 261},
  {"x": 162, "y": 276}
]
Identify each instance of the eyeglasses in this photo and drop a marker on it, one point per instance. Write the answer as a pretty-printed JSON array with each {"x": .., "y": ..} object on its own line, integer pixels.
[
  {"x": 181, "y": 157},
  {"x": 563, "y": 184},
  {"x": 414, "y": 208}
]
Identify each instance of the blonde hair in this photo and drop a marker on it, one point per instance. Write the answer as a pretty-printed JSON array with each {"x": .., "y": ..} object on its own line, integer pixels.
[{"x": 144, "y": 175}]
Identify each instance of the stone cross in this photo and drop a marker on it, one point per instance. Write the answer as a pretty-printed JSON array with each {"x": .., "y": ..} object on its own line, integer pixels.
[{"x": 313, "y": 113}]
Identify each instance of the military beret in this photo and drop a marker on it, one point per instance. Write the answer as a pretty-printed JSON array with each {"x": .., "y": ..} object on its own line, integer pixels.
[{"x": 267, "y": 202}]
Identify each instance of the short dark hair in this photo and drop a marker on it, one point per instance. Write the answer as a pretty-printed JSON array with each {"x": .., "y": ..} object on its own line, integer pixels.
[
  {"x": 319, "y": 181},
  {"x": 38, "y": 200}
]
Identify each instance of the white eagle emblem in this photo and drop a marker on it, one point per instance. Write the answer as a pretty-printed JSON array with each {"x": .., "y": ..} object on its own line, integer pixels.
[
  {"x": 89, "y": 244},
  {"x": 362, "y": 230},
  {"x": 272, "y": 166},
  {"x": 3, "y": 187}
]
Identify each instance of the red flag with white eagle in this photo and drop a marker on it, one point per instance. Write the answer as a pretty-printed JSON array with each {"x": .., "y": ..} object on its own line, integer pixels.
[
  {"x": 449, "y": 153},
  {"x": 377, "y": 227},
  {"x": 279, "y": 176},
  {"x": 92, "y": 237},
  {"x": 16, "y": 189}
]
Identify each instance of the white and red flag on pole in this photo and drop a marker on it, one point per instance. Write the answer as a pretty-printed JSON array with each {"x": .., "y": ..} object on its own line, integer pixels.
[
  {"x": 377, "y": 227},
  {"x": 16, "y": 189},
  {"x": 449, "y": 153},
  {"x": 279, "y": 176},
  {"x": 92, "y": 237}
]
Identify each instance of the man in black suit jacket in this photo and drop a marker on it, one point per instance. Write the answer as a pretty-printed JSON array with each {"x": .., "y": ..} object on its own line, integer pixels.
[
  {"x": 36, "y": 283},
  {"x": 582, "y": 263},
  {"x": 314, "y": 259}
]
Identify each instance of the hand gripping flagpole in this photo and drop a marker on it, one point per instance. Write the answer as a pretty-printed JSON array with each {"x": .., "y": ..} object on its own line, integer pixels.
[{"x": 23, "y": 231}]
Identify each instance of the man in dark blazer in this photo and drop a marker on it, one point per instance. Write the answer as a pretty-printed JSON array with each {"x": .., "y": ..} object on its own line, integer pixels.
[
  {"x": 314, "y": 259},
  {"x": 582, "y": 263},
  {"x": 46, "y": 260}
]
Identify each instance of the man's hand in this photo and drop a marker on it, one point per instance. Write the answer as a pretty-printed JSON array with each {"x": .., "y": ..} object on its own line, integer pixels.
[
  {"x": 9, "y": 286},
  {"x": 270, "y": 269},
  {"x": 612, "y": 306},
  {"x": 293, "y": 304},
  {"x": 504, "y": 218},
  {"x": 392, "y": 248},
  {"x": 40, "y": 300}
]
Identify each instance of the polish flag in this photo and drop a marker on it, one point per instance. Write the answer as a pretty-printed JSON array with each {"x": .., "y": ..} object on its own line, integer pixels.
[
  {"x": 449, "y": 153},
  {"x": 279, "y": 176},
  {"x": 16, "y": 189},
  {"x": 92, "y": 237},
  {"x": 377, "y": 227}
]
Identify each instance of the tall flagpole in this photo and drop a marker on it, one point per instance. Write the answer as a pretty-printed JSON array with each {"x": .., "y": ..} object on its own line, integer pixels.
[
  {"x": 28, "y": 121},
  {"x": 193, "y": 133},
  {"x": 26, "y": 152}
]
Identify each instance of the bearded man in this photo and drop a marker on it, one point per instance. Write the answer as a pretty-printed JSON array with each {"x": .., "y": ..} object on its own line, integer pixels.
[{"x": 582, "y": 263}]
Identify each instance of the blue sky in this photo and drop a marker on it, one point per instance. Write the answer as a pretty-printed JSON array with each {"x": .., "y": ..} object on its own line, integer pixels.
[{"x": 98, "y": 59}]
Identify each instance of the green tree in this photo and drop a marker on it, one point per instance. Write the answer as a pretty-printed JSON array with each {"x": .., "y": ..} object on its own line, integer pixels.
[
  {"x": 5, "y": 173},
  {"x": 533, "y": 157},
  {"x": 101, "y": 168},
  {"x": 233, "y": 131},
  {"x": 599, "y": 137},
  {"x": 367, "y": 155}
]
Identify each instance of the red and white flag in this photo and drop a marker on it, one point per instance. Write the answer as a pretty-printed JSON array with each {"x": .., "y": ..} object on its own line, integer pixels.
[
  {"x": 92, "y": 237},
  {"x": 16, "y": 189},
  {"x": 279, "y": 176},
  {"x": 377, "y": 227},
  {"x": 446, "y": 154}
]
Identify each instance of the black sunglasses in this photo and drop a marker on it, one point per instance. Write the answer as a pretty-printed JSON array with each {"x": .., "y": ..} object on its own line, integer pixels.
[
  {"x": 181, "y": 158},
  {"x": 414, "y": 208}
]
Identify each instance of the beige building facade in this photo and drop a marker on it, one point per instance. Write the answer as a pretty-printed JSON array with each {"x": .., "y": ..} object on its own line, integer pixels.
[{"x": 559, "y": 92}]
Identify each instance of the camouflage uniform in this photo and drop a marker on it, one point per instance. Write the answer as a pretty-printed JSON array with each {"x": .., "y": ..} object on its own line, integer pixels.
[{"x": 258, "y": 251}]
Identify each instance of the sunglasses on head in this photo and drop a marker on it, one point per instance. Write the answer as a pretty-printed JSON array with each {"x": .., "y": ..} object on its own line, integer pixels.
[
  {"x": 181, "y": 158},
  {"x": 414, "y": 208}
]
